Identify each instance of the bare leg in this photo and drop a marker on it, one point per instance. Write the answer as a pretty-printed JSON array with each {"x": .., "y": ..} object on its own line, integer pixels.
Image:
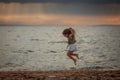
[
  {"x": 69, "y": 54},
  {"x": 76, "y": 55}
]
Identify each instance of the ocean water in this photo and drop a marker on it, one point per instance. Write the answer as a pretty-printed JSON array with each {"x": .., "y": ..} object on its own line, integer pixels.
[{"x": 44, "y": 48}]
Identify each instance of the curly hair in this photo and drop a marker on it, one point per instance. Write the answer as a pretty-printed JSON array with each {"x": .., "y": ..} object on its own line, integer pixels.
[{"x": 66, "y": 31}]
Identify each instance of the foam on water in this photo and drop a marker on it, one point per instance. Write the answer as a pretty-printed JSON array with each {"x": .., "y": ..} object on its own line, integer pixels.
[{"x": 44, "y": 48}]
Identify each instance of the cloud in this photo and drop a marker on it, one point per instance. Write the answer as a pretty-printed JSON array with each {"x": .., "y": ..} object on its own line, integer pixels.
[
  {"x": 59, "y": 13},
  {"x": 82, "y": 9},
  {"x": 59, "y": 8},
  {"x": 66, "y": 1}
]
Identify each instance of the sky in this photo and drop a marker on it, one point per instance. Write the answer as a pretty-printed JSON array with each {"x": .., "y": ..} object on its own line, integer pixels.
[{"x": 60, "y": 12}]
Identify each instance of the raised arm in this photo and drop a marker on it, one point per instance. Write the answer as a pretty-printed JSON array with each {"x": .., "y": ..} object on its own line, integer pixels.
[{"x": 72, "y": 33}]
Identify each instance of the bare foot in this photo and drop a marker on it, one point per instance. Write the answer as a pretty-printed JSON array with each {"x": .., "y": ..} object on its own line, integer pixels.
[{"x": 75, "y": 61}]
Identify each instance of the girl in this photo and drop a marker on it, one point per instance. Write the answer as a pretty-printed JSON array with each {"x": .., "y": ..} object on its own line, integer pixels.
[{"x": 70, "y": 34}]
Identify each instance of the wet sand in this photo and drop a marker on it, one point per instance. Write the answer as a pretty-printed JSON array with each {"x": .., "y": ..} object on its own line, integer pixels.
[{"x": 83, "y": 74}]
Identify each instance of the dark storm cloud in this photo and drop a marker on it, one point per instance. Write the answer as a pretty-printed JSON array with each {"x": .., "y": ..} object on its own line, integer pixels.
[
  {"x": 56, "y": 8},
  {"x": 82, "y": 9},
  {"x": 66, "y": 1},
  {"x": 69, "y": 7}
]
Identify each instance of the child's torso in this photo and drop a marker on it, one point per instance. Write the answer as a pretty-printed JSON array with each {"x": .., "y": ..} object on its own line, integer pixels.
[{"x": 71, "y": 40}]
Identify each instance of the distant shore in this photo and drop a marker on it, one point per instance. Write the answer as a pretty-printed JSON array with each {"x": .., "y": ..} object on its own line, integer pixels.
[{"x": 62, "y": 25}]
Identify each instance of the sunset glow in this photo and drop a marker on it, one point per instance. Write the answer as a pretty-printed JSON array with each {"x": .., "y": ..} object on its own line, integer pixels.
[{"x": 15, "y": 13}]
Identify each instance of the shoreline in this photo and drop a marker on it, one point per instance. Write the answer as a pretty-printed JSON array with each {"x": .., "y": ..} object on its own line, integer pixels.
[{"x": 83, "y": 74}]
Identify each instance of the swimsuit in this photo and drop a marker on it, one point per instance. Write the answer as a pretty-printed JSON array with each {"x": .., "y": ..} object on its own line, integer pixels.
[{"x": 71, "y": 42}]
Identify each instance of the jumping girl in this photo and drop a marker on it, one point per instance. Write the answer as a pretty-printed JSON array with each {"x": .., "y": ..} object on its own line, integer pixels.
[{"x": 70, "y": 35}]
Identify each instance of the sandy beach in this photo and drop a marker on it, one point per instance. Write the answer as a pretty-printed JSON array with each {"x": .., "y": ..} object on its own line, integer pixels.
[{"x": 85, "y": 74}]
